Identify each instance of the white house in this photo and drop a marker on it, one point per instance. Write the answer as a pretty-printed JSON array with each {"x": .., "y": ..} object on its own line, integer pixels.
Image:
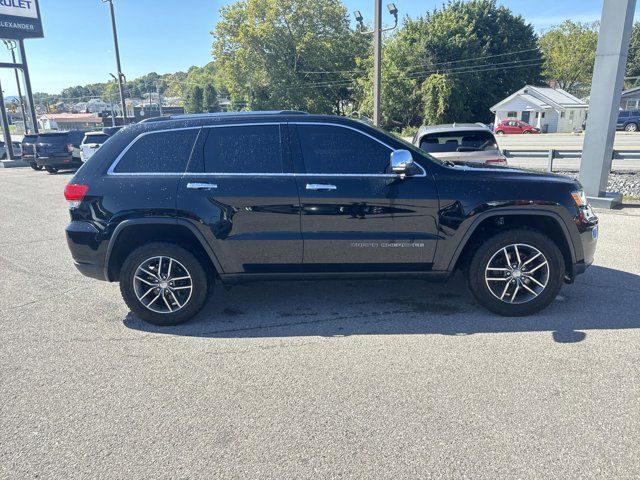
[{"x": 551, "y": 109}]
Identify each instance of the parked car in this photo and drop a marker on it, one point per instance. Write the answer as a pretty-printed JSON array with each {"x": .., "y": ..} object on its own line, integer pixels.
[
  {"x": 92, "y": 141},
  {"x": 28, "y": 149},
  {"x": 628, "y": 120},
  {"x": 59, "y": 150},
  {"x": 17, "y": 150},
  {"x": 460, "y": 143},
  {"x": 111, "y": 131},
  {"x": 512, "y": 126},
  {"x": 169, "y": 207}
]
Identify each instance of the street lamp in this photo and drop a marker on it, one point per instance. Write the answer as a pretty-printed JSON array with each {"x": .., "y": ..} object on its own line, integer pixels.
[
  {"x": 11, "y": 46},
  {"x": 121, "y": 77},
  {"x": 377, "y": 50}
]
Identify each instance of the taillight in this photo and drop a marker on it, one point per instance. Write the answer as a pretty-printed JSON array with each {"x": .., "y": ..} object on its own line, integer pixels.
[
  {"x": 75, "y": 193},
  {"x": 502, "y": 162},
  {"x": 70, "y": 147}
]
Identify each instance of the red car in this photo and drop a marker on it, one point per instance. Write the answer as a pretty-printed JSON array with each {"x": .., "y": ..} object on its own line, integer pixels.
[{"x": 515, "y": 126}]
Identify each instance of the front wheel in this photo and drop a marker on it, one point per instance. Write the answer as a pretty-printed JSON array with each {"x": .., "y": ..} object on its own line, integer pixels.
[
  {"x": 516, "y": 272},
  {"x": 51, "y": 170},
  {"x": 35, "y": 166},
  {"x": 163, "y": 284},
  {"x": 631, "y": 127},
  {"x": 526, "y": 132},
  {"x": 499, "y": 132}
]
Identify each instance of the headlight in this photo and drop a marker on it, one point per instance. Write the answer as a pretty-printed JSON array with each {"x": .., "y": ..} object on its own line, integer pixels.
[{"x": 580, "y": 198}]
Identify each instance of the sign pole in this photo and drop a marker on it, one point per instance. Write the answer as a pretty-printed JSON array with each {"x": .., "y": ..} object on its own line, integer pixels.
[
  {"x": 27, "y": 85},
  {"x": 5, "y": 126}
]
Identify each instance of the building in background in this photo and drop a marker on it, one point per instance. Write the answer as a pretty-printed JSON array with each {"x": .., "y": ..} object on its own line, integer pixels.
[{"x": 552, "y": 110}]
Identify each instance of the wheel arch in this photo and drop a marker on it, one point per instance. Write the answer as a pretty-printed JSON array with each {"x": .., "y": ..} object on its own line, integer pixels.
[
  {"x": 548, "y": 223},
  {"x": 131, "y": 234}
]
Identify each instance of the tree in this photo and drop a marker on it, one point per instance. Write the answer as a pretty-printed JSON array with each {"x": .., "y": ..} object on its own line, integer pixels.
[
  {"x": 287, "y": 54},
  {"x": 454, "y": 63},
  {"x": 195, "y": 100},
  {"x": 211, "y": 104},
  {"x": 633, "y": 59},
  {"x": 570, "y": 52}
]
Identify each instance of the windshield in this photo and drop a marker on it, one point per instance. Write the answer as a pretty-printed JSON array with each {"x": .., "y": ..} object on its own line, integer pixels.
[{"x": 467, "y": 141}]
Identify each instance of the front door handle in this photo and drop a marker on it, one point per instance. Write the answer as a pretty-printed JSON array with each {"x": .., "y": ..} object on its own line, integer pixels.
[
  {"x": 320, "y": 186},
  {"x": 201, "y": 186}
]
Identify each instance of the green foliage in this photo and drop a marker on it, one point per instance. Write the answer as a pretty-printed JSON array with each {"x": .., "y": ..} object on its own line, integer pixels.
[
  {"x": 633, "y": 59},
  {"x": 570, "y": 51},
  {"x": 211, "y": 104},
  {"x": 194, "y": 102},
  {"x": 454, "y": 63},
  {"x": 287, "y": 54}
]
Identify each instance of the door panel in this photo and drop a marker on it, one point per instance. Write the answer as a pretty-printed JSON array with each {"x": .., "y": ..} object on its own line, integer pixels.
[
  {"x": 249, "y": 213},
  {"x": 354, "y": 219}
]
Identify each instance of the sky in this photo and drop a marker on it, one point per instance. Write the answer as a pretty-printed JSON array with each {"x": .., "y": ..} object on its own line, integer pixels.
[{"x": 171, "y": 35}]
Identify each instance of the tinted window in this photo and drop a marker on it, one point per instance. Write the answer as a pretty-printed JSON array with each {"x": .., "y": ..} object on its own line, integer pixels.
[
  {"x": 29, "y": 138},
  {"x": 248, "y": 149},
  {"x": 328, "y": 149},
  {"x": 164, "y": 152},
  {"x": 99, "y": 139},
  {"x": 458, "y": 141},
  {"x": 53, "y": 138},
  {"x": 624, "y": 114}
]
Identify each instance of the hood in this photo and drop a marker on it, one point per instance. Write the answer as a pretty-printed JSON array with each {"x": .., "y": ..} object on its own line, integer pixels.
[{"x": 514, "y": 174}]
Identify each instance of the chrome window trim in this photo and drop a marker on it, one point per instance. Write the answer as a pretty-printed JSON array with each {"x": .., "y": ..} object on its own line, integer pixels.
[{"x": 111, "y": 169}]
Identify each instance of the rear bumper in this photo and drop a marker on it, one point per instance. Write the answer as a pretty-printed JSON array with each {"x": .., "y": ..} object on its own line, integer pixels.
[
  {"x": 86, "y": 249},
  {"x": 58, "y": 162}
]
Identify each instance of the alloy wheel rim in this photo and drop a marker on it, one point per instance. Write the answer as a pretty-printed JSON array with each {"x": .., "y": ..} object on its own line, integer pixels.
[
  {"x": 162, "y": 284},
  {"x": 517, "y": 274}
]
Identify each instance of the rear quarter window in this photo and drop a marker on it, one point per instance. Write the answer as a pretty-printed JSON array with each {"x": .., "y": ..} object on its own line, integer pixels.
[{"x": 158, "y": 152}]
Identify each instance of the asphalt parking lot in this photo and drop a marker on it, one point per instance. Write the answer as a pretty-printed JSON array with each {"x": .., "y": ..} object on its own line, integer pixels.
[{"x": 355, "y": 379}]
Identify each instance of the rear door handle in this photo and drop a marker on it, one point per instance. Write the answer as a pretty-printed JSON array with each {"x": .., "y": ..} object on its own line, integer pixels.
[
  {"x": 320, "y": 186},
  {"x": 201, "y": 186}
]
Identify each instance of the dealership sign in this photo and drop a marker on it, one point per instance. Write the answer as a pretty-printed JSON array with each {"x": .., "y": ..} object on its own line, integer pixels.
[{"x": 20, "y": 19}]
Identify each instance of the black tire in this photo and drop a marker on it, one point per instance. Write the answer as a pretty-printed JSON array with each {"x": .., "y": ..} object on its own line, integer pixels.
[
  {"x": 526, "y": 132},
  {"x": 51, "y": 170},
  {"x": 35, "y": 166},
  {"x": 499, "y": 132},
  {"x": 631, "y": 127},
  {"x": 199, "y": 279},
  {"x": 490, "y": 247}
]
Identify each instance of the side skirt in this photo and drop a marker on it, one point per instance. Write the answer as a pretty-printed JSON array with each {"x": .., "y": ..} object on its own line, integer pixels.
[{"x": 239, "y": 278}]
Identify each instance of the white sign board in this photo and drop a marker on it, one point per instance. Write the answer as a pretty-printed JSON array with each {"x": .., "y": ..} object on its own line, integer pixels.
[{"x": 20, "y": 19}]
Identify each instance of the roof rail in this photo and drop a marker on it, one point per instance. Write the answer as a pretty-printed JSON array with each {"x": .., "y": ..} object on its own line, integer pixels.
[{"x": 223, "y": 114}]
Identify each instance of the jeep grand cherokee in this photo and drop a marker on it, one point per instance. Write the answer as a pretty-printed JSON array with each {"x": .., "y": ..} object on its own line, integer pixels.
[{"x": 170, "y": 206}]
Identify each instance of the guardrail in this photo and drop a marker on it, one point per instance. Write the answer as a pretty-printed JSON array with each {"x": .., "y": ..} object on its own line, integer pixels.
[{"x": 556, "y": 154}]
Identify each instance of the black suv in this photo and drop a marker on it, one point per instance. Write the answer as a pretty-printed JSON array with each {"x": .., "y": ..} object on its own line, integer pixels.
[
  {"x": 29, "y": 150},
  {"x": 59, "y": 150},
  {"x": 169, "y": 206}
]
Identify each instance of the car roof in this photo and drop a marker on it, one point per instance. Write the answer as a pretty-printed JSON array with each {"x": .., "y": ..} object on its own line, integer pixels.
[
  {"x": 455, "y": 127},
  {"x": 97, "y": 132}
]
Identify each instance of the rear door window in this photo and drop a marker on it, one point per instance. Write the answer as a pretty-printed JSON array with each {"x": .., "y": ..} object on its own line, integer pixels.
[
  {"x": 159, "y": 152},
  {"x": 243, "y": 149},
  {"x": 329, "y": 149}
]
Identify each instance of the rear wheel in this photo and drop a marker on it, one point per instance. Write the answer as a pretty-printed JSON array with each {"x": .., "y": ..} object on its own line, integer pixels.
[
  {"x": 527, "y": 132},
  {"x": 499, "y": 132},
  {"x": 516, "y": 272},
  {"x": 631, "y": 127},
  {"x": 163, "y": 284},
  {"x": 51, "y": 170},
  {"x": 35, "y": 166}
]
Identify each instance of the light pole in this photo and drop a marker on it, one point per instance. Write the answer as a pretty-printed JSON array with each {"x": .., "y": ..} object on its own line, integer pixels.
[
  {"x": 11, "y": 46},
  {"x": 121, "y": 76},
  {"x": 377, "y": 50}
]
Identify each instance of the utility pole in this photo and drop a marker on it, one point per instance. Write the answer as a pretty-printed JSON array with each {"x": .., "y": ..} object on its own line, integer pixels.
[
  {"x": 377, "y": 61},
  {"x": 159, "y": 97},
  {"x": 377, "y": 32},
  {"x": 118, "y": 65}
]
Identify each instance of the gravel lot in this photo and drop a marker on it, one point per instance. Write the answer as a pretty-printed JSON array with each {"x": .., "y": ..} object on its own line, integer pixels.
[{"x": 362, "y": 379}]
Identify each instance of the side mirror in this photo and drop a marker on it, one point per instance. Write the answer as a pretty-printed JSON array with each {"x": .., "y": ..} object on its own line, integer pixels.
[{"x": 401, "y": 162}]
